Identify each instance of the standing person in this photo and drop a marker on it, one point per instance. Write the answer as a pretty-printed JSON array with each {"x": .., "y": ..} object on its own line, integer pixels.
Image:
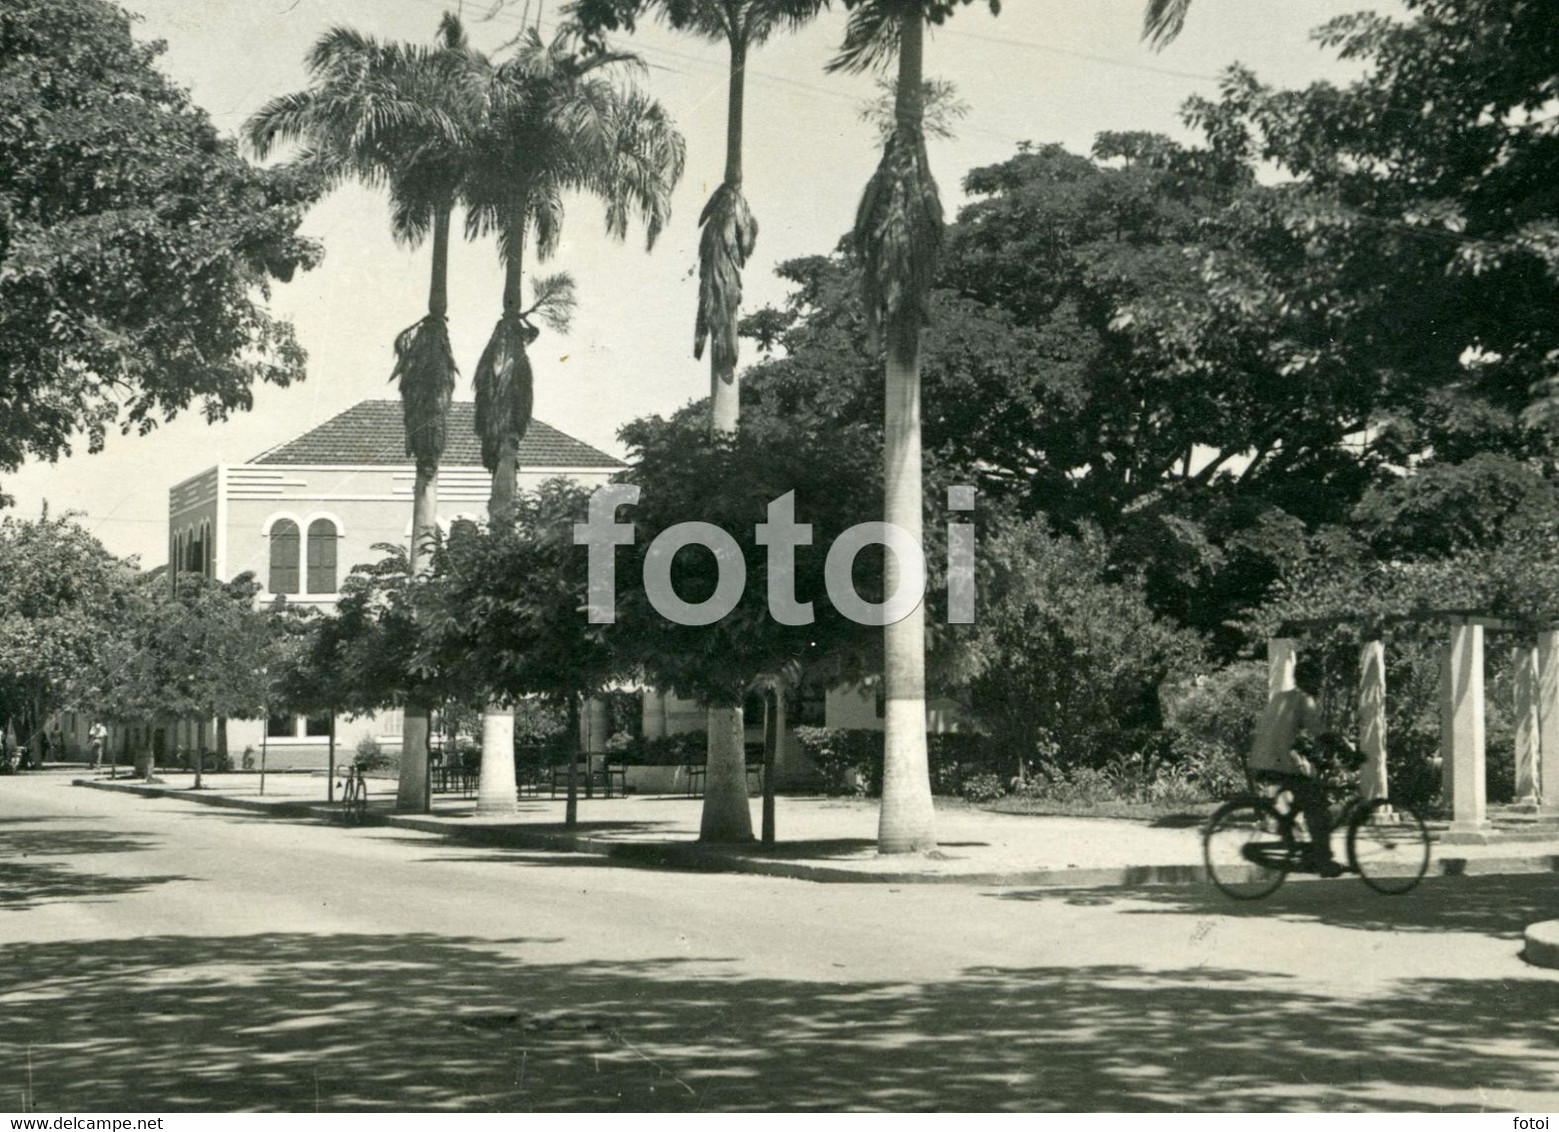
[{"x": 97, "y": 736}]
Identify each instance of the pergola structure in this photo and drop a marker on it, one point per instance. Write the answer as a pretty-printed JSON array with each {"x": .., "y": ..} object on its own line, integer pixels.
[{"x": 1536, "y": 680}]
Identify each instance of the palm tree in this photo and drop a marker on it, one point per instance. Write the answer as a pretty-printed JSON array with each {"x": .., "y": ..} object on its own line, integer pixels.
[
  {"x": 729, "y": 232},
  {"x": 398, "y": 116},
  {"x": 898, "y": 238},
  {"x": 559, "y": 118}
]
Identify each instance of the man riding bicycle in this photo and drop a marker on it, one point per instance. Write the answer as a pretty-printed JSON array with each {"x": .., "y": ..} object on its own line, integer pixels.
[{"x": 1273, "y": 758}]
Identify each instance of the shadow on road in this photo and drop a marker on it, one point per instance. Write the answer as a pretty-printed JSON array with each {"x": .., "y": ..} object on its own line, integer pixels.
[
  {"x": 26, "y": 882},
  {"x": 353, "y": 1022},
  {"x": 1499, "y": 906}
]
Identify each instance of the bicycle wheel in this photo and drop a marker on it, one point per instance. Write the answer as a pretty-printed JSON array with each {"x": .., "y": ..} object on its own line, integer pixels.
[
  {"x": 1388, "y": 847},
  {"x": 1247, "y": 848}
]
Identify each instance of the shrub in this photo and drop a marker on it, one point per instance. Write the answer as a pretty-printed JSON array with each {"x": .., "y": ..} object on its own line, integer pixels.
[
  {"x": 370, "y": 755},
  {"x": 849, "y": 761},
  {"x": 209, "y": 761},
  {"x": 1066, "y": 650},
  {"x": 685, "y": 748},
  {"x": 982, "y": 788}
]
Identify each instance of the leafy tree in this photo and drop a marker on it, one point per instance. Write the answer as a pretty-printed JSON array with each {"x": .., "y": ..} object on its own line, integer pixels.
[
  {"x": 404, "y": 117},
  {"x": 1069, "y": 657},
  {"x": 62, "y": 598},
  {"x": 136, "y": 245},
  {"x": 199, "y": 651},
  {"x": 1422, "y": 204},
  {"x": 506, "y": 607}
]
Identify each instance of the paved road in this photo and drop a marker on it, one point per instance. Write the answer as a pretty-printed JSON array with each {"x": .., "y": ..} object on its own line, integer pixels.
[{"x": 156, "y": 955}]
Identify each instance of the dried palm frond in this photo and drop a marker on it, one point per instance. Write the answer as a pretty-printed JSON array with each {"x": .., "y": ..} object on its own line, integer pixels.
[
  {"x": 425, "y": 370},
  {"x": 504, "y": 387},
  {"x": 1164, "y": 20},
  {"x": 898, "y": 236},
  {"x": 729, "y": 234}
]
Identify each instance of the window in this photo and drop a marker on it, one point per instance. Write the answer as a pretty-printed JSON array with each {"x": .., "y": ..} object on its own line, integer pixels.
[
  {"x": 812, "y": 710},
  {"x": 281, "y": 726},
  {"x": 317, "y": 726},
  {"x": 322, "y": 557},
  {"x": 284, "y": 557}
]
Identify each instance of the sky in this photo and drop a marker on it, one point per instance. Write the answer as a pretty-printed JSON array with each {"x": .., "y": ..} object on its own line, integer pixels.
[{"x": 1044, "y": 71}]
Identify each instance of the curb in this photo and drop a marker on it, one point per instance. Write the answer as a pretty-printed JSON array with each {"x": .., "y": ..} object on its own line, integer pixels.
[
  {"x": 701, "y": 858},
  {"x": 1542, "y": 947},
  {"x": 279, "y": 809}
]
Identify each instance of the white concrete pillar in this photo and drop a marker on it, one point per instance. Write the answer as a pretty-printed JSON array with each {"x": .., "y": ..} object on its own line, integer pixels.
[
  {"x": 1467, "y": 720},
  {"x": 654, "y": 714},
  {"x": 496, "y": 792},
  {"x": 1447, "y": 780},
  {"x": 1548, "y": 721},
  {"x": 596, "y": 726},
  {"x": 1281, "y": 653},
  {"x": 1524, "y": 680},
  {"x": 1372, "y": 719}
]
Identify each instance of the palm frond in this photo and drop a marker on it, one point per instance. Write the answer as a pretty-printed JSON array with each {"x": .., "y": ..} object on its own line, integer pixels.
[
  {"x": 425, "y": 371},
  {"x": 729, "y": 233},
  {"x": 504, "y": 388},
  {"x": 871, "y": 39},
  {"x": 765, "y": 17},
  {"x": 553, "y": 301},
  {"x": 1164, "y": 21},
  {"x": 898, "y": 236}
]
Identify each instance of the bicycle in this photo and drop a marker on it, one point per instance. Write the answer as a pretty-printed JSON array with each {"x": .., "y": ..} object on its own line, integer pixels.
[
  {"x": 1252, "y": 843},
  {"x": 354, "y": 797}
]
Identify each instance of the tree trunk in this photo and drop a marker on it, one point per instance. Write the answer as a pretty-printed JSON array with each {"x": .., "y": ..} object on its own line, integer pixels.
[
  {"x": 330, "y": 761},
  {"x": 200, "y": 759},
  {"x": 727, "y": 817},
  {"x": 571, "y": 806},
  {"x": 772, "y": 722},
  {"x": 411, "y": 788},
  {"x": 726, "y": 814},
  {"x": 496, "y": 793},
  {"x": 906, "y": 823},
  {"x": 222, "y": 740},
  {"x": 724, "y": 386}
]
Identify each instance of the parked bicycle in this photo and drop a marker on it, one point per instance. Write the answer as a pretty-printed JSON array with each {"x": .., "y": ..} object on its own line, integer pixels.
[
  {"x": 354, "y": 796},
  {"x": 1255, "y": 840}
]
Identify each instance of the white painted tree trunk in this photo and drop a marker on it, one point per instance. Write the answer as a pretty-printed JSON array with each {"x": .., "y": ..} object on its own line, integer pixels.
[
  {"x": 727, "y": 816},
  {"x": 411, "y": 788},
  {"x": 906, "y": 822}
]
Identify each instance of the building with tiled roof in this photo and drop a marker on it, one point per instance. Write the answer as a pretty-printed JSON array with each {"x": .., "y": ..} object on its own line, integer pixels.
[
  {"x": 300, "y": 515},
  {"x": 374, "y": 433}
]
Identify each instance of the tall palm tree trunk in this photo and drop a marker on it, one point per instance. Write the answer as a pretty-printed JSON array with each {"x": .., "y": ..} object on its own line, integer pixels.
[
  {"x": 496, "y": 792},
  {"x": 724, "y": 387},
  {"x": 906, "y": 823},
  {"x": 411, "y": 791},
  {"x": 726, "y": 816}
]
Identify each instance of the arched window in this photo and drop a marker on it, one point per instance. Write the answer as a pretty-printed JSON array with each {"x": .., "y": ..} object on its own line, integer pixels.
[
  {"x": 284, "y": 557},
  {"x": 322, "y": 557}
]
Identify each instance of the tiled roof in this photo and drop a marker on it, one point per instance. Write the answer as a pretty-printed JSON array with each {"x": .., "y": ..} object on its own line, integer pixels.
[{"x": 372, "y": 432}]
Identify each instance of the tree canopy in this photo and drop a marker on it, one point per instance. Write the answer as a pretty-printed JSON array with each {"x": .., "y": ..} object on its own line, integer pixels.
[{"x": 136, "y": 244}]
